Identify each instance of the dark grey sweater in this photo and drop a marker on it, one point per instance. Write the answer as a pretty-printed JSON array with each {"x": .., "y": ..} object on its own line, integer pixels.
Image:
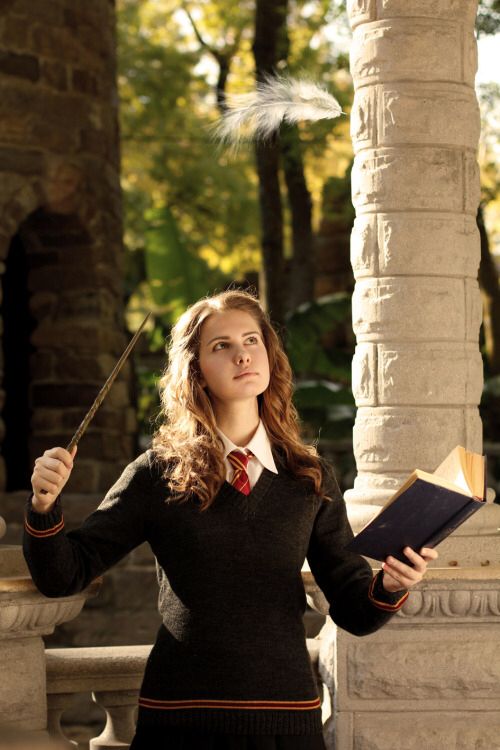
[{"x": 231, "y": 653}]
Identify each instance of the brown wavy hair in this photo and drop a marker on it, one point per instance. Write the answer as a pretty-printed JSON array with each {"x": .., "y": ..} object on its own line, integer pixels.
[{"x": 187, "y": 443}]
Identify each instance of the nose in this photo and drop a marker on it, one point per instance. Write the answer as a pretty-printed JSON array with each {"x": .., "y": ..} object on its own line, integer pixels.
[{"x": 242, "y": 356}]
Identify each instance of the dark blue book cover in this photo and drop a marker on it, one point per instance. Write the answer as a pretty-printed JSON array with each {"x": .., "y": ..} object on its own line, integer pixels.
[{"x": 422, "y": 516}]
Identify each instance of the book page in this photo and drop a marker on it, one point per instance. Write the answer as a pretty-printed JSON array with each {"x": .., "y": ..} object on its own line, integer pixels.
[
  {"x": 478, "y": 474},
  {"x": 454, "y": 470},
  {"x": 441, "y": 481}
]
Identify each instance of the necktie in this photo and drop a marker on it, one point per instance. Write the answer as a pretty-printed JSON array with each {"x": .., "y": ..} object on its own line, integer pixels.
[{"x": 239, "y": 462}]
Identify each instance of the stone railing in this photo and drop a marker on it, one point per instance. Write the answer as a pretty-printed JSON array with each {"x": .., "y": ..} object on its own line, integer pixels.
[{"x": 113, "y": 675}]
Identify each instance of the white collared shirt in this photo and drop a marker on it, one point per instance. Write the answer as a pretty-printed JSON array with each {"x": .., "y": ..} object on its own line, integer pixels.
[{"x": 260, "y": 445}]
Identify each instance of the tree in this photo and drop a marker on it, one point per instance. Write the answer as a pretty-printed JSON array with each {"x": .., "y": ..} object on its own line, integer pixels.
[
  {"x": 489, "y": 97},
  {"x": 177, "y": 188},
  {"x": 488, "y": 17}
]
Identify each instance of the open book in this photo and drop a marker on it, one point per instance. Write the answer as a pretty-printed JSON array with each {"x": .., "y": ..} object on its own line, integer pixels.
[{"x": 426, "y": 508}]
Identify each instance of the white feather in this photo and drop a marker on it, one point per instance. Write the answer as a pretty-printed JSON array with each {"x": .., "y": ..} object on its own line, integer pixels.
[{"x": 276, "y": 99}]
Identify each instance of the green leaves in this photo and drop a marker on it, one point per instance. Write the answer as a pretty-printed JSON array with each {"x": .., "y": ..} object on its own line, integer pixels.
[
  {"x": 322, "y": 368},
  {"x": 176, "y": 277},
  {"x": 326, "y": 408},
  {"x": 306, "y": 344}
]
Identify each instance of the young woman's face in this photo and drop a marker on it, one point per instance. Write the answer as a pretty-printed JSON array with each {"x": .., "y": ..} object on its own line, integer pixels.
[{"x": 233, "y": 357}]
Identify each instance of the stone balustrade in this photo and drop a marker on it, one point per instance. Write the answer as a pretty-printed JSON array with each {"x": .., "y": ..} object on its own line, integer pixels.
[
  {"x": 113, "y": 675},
  {"x": 25, "y": 617}
]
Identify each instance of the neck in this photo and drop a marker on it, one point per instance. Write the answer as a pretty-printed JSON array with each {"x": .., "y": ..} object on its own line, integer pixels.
[{"x": 238, "y": 420}]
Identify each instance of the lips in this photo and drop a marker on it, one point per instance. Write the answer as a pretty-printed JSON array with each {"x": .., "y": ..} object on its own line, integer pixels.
[{"x": 243, "y": 374}]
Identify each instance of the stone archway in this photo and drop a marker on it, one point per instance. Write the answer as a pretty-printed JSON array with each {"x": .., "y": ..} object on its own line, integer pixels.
[{"x": 62, "y": 319}]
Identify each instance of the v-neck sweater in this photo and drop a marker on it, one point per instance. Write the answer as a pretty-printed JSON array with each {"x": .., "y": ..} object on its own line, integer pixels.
[{"x": 230, "y": 655}]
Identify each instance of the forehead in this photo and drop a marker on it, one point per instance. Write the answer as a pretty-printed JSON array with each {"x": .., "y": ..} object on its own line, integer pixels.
[{"x": 228, "y": 323}]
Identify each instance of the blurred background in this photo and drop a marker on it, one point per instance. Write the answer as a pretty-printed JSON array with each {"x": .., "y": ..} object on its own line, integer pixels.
[{"x": 194, "y": 222}]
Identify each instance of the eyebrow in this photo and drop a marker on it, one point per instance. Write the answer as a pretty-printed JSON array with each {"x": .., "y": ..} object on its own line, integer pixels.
[{"x": 228, "y": 337}]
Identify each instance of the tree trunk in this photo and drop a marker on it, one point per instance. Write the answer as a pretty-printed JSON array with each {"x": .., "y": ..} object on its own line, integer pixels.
[
  {"x": 488, "y": 281},
  {"x": 272, "y": 282},
  {"x": 302, "y": 272},
  {"x": 270, "y": 47}
]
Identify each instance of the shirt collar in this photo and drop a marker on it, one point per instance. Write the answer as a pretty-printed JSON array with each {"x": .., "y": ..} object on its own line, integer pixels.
[{"x": 260, "y": 445}]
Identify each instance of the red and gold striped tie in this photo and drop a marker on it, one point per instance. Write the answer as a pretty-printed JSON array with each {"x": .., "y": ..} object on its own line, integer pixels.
[{"x": 239, "y": 462}]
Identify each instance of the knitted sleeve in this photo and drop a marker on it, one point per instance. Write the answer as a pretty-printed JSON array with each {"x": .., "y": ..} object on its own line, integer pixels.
[
  {"x": 63, "y": 563},
  {"x": 358, "y": 602}
]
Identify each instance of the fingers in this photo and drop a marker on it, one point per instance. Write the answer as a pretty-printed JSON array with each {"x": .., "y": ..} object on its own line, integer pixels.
[
  {"x": 404, "y": 574},
  {"x": 428, "y": 553},
  {"x": 61, "y": 454},
  {"x": 409, "y": 575},
  {"x": 418, "y": 562},
  {"x": 51, "y": 472}
]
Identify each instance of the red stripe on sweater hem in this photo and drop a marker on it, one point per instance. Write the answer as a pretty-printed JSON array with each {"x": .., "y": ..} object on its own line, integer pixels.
[
  {"x": 45, "y": 532},
  {"x": 245, "y": 705}
]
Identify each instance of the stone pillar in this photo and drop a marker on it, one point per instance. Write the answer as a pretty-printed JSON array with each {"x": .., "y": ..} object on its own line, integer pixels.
[
  {"x": 417, "y": 371},
  {"x": 430, "y": 677},
  {"x": 26, "y": 616}
]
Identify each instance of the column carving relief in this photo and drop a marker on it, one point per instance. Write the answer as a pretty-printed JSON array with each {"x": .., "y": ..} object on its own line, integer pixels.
[{"x": 417, "y": 373}]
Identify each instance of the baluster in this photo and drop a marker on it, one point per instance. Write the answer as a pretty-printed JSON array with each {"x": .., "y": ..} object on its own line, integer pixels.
[
  {"x": 120, "y": 719},
  {"x": 57, "y": 704}
]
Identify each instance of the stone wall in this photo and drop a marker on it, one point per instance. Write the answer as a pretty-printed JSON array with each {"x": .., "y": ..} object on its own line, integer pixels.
[
  {"x": 60, "y": 240},
  {"x": 429, "y": 679}
]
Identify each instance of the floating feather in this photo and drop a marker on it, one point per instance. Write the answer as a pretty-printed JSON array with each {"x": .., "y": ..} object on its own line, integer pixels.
[{"x": 256, "y": 116}]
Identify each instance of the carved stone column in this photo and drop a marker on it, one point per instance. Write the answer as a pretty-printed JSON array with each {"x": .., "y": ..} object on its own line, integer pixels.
[
  {"x": 430, "y": 677},
  {"x": 417, "y": 370}
]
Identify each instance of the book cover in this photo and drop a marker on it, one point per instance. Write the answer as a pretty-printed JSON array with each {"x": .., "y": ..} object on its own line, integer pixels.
[{"x": 423, "y": 515}]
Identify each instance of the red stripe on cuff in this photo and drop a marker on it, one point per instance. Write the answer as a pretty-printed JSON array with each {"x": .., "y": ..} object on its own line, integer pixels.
[
  {"x": 40, "y": 534},
  {"x": 385, "y": 605}
]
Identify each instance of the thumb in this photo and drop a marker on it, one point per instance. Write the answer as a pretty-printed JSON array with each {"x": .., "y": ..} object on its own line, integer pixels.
[{"x": 73, "y": 451}]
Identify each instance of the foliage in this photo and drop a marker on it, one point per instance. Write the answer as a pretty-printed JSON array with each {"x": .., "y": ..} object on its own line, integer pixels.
[
  {"x": 189, "y": 206},
  {"x": 191, "y": 213},
  {"x": 323, "y": 394},
  {"x": 168, "y": 159},
  {"x": 488, "y": 17},
  {"x": 175, "y": 275},
  {"x": 489, "y": 153},
  {"x": 305, "y": 328},
  {"x": 166, "y": 85}
]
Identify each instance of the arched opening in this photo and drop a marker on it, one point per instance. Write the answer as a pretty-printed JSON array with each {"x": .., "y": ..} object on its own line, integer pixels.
[{"x": 18, "y": 325}]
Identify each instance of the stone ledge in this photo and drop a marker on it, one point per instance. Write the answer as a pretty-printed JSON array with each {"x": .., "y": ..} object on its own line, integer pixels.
[
  {"x": 445, "y": 596},
  {"x": 98, "y": 668}
]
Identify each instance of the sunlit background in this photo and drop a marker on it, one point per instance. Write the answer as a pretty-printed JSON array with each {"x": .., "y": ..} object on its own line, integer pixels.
[{"x": 192, "y": 223}]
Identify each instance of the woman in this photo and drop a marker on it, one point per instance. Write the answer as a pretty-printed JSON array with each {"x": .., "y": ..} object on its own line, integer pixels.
[{"x": 231, "y": 502}]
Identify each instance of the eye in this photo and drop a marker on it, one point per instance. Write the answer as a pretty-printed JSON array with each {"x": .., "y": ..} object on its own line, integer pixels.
[{"x": 219, "y": 343}]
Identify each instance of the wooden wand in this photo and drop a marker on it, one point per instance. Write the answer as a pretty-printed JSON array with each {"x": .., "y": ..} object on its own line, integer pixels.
[{"x": 103, "y": 392}]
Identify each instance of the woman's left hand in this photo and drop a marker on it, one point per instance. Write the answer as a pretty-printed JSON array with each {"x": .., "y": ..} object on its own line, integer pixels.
[{"x": 399, "y": 576}]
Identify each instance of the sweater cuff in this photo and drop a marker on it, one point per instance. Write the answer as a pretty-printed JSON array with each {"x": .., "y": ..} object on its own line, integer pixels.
[
  {"x": 42, "y": 525},
  {"x": 390, "y": 601}
]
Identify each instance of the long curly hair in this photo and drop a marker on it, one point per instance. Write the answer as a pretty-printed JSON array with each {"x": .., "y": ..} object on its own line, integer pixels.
[{"x": 186, "y": 443}]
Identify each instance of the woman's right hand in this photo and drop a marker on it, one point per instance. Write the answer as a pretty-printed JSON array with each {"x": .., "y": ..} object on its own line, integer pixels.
[{"x": 50, "y": 473}]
